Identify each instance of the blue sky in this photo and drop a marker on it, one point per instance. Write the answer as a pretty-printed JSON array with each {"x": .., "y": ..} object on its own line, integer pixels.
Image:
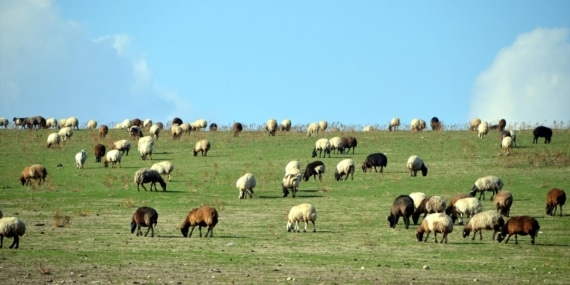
[{"x": 357, "y": 62}]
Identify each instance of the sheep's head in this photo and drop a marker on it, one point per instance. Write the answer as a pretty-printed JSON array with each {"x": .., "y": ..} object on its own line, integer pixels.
[
  {"x": 500, "y": 237},
  {"x": 424, "y": 170},
  {"x": 314, "y": 154},
  {"x": 22, "y": 180},
  {"x": 162, "y": 184},
  {"x": 466, "y": 232},
  {"x": 392, "y": 220},
  {"x": 184, "y": 231},
  {"x": 549, "y": 208},
  {"x": 419, "y": 234},
  {"x": 289, "y": 226},
  {"x": 133, "y": 226}
]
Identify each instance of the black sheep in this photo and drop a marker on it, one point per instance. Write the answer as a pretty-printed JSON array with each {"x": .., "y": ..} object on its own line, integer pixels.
[
  {"x": 402, "y": 206},
  {"x": 374, "y": 160},
  {"x": 313, "y": 169},
  {"x": 347, "y": 143},
  {"x": 542, "y": 131},
  {"x": 144, "y": 217}
]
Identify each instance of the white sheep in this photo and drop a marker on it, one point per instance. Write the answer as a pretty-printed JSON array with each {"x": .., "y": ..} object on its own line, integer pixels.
[
  {"x": 202, "y": 146},
  {"x": 345, "y": 167},
  {"x": 322, "y": 145},
  {"x": 147, "y": 175},
  {"x": 154, "y": 131},
  {"x": 271, "y": 126},
  {"x": 113, "y": 156},
  {"x": 293, "y": 166},
  {"x": 123, "y": 146},
  {"x": 368, "y": 128},
  {"x": 186, "y": 128},
  {"x": 147, "y": 123},
  {"x": 125, "y": 125},
  {"x": 72, "y": 122},
  {"x": 507, "y": 145},
  {"x": 65, "y": 133},
  {"x": 291, "y": 181},
  {"x": 323, "y": 125},
  {"x": 336, "y": 145},
  {"x": 418, "y": 197},
  {"x": 430, "y": 205},
  {"x": 487, "y": 183},
  {"x": 163, "y": 167},
  {"x": 61, "y": 123},
  {"x": 466, "y": 207},
  {"x": 51, "y": 123},
  {"x": 286, "y": 125},
  {"x": 436, "y": 223},
  {"x": 199, "y": 124},
  {"x": 91, "y": 124},
  {"x": 483, "y": 129},
  {"x": 487, "y": 220},
  {"x": 80, "y": 159},
  {"x": 4, "y": 123},
  {"x": 414, "y": 164},
  {"x": 245, "y": 185},
  {"x": 176, "y": 131},
  {"x": 394, "y": 124},
  {"x": 53, "y": 140},
  {"x": 301, "y": 213},
  {"x": 474, "y": 124},
  {"x": 312, "y": 129},
  {"x": 417, "y": 125},
  {"x": 145, "y": 146},
  {"x": 12, "y": 227}
]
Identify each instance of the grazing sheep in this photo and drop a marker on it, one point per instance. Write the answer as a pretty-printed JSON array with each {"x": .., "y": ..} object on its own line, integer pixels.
[
  {"x": 203, "y": 216},
  {"x": 488, "y": 220},
  {"x": 245, "y": 185},
  {"x": 429, "y": 205},
  {"x": 322, "y": 145},
  {"x": 213, "y": 127},
  {"x": 323, "y": 125},
  {"x": 123, "y": 146},
  {"x": 4, "y": 123},
  {"x": 312, "y": 129},
  {"x": 368, "y": 128},
  {"x": 348, "y": 143},
  {"x": 51, "y": 123},
  {"x": 125, "y": 124},
  {"x": 466, "y": 207},
  {"x": 503, "y": 202},
  {"x": 145, "y": 146},
  {"x": 144, "y": 217},
  {"x": 502, "y": 125},
  {"x": 542, "y": 131},
  {"x": 53, "y": 140},
  {"x": 199, "y": 124},
  {"x": 345, "y": 167},
  {"x": 147, "y": 175},
  {"x": 436, "y": 223},
  {"x": 72, "y": 122},
  {"x": 519, "y": 225},
  {"x": 154, "y": 131},
  {"x": 36, "y": 172},
  {"x": 236, "y": 129},
  {"x": 113, "y": 156},
  {"x": 136, "y": 132},
  {"x": 163, "y": 167},
  {"x": 417, "y": 125},
  {"x": 313, "y": 169},
  {"x": 80, "y": 159},
  {"x": 99, "y": 151},
  {"x": 285, "y": 125},
  {"x": 453, "y": 200},
  {"x": 19, "y": 122},
  {"x": 291, "y": 181},
  {"x": 65, "y": 133},
  {"x": 435, "y": 124},
  {"x": 186, "y": 128},
  {"x": 394, "y": 124},
  {"x": 176, "y": 131},
  {"x": 202, "y": 146},
  {"x": 555, "y": 197},
  {"x": 147, "y": 123},
  {"x": 474, "y": 124},
  {"x": 486, "y": 183},
  {"x": 509, "y": 133},
  {"x": 271, "y": 127},
  {"x": 304, "y": 212},
  {"x": 483, "y": 129},
  {"x": 11, "y": 227},
  {"x": 403, "y": 206},
  {"x": 418, "y": 198},
  {"x": 103, "y": 131},
  {"x": 92, "y": 124},
  {"x": 414, "y": 164},
  {"x": 375, "y": 160},
  {"x": 293, "y": 166},
  {"x": 507, "y": 145},
  {"x": 336, "y": 145}
]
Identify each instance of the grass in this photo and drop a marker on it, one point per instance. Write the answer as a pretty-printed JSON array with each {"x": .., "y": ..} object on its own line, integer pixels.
[{"x": 78, "y": 221}]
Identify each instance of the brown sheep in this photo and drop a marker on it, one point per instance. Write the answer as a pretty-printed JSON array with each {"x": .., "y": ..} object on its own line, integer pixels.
[
  {"x": 177, "y": 121},
  {"x": 349, "y": 142},
  {"x": 203, "y": 216},
  {"x": 403, "y": 206},
  {"x": 519, "y": 225},
  {"x": 144, "y": 217},
  {"x": 555, "y": 197},
  {"x": 103, "y": 131},
  {"x": 503, "y": 202},
  {"x": 438, "y": 223},
  {"x": 137, "y": 122},
  {"x": 99, "y": 151},
  {"x": 435, "y": 124},
  {"x": 502, "y": 125},
  {"x": 454, "y": 199},
  {"x": 36, "y": 172},
  {"x": 236, "y": 129}
]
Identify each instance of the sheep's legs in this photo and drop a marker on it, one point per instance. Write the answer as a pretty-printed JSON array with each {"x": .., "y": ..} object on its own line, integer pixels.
[
  {"x": 425, "y": 240},
  {"x": 17, "y": 242}
]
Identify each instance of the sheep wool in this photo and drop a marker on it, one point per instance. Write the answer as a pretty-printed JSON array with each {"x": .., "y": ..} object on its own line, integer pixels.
[
  {"x": 66, "y": 133},
  {"x": 291, "y": 181},
  {"x": 507, "y": 145},
  {"x": 145, "y": 146},
  {"x": 418, "y": 197},
  {"x": 519, "y": 225},
  {"x": 53, "y": 140},
  {"x": 11, "y": 227},
  {"x": 293, "y": 166},
  {"x": 554, "y": 198},
  {"x": 123, "y": 146},
  {"x": 304, "y": 212},
  {"x": 154, "y": 131},
  {"x": 483, "y": 129},
  {"x": 336, "y": 145},
  {"x": 92, "y": 124},
  {"x": 322, "y": 145},
  {"x": 163, "y": 167},
  {"x": 36, "y": 172}
]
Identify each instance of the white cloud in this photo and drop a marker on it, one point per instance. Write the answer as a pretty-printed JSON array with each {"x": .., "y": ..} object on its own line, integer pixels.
[{"x": 528, "y": 82}]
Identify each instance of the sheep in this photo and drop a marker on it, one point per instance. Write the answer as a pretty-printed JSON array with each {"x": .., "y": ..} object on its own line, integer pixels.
[
  {"x": 304, "y": 212},
  {"x": 144, "y": 217},
  {"x": 403, "y": 206},
  {"x": 11, "y": 227},
  {"x": 312, "y": 129},
  {"x": 418, "y": 198},
  {"x": 53, "y": 140},
  {"x": 345, "y": 167},
  {"x": 293, "y": 166},
  {"x": 394, "y": 124},
  {"x": 80, "y": 159},
  {"x": 236, "y": 129},
  {"x": 203, "y": 216},
  {"x": 466, "y": 207},
  {"x": 285, "y": 125},
  {"x": 92, "y": 124},
  {"x": 147, "y": 175},
  {"x": 245, "y": 185},
  {"x": 348, "y": 142},
  {"x": 374, "y": 160},
  {"x": 323, "y": 125},
  {"x": 271, "y": 126},
  {"x": 336, "y": 145},
  {"x": 503, "y": 202},
  {"x": 509, "y": 133},
  {"x": 147, "y": 123},
  {"x": 199, "y": 124},
  {"x": 136, "y": 132},
  {"x": 368, "y": 128},
  {"x": 322, "y": 145},
  {"x": 213, "y": 127},
  {"x": 542, "y": 131},
  {"x": 124, "y": 146},
  {"x": 36, "y": 172},
  {"x": 487, "y": 220},
  {"x": 507, "y": 145},
  {"x": 163, "y": 167},
  {"x": 483, "y": 129},
  {"x": 186, "y": 128},
  {"x": 176, "y": 131},
  {"x": 65, "y": 133},
  {"x": 291, "y": 181},
  {"x": 113, "y": 156},
  {"x": 125, "y": 124},
  {"x": 202, "y": 146},
  {"x": 154, "y": 131},
  {"x": 145, "y": 146},
  {"x": 19, "y": 122},
  {"x": 4, "y": 123},
  {"x": 453, "y": 200},
  {"x": 514, "y": 136},
  {"x": 103, "y": 131},
  {"x": 417, "y": 125},
  {"x": 435, "y": 124},
  {"x": 177, "y": 121},
  {"x": 160, "y": 125},
  {"x": 486, "y": 183},
  {"x": 99, "y": 151},
  {"x": 72, "y": 122},
  {"x": 555, "y": 197},
  {"x": 502, "y": 125},
  {"x": 313, "y": 169},
  {"x": 51, "y": 123},
  {"x": 429, "y": 205},
  {"x": 519, "y": 225},
  {"x": 414, "y": 164},
  {"x": 436, "y": 223},
  {"x": 474, "y": 124}
]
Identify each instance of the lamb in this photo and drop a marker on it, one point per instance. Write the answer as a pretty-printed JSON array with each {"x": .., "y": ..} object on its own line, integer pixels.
[
  {"x": 394, "y": 124},
  {"x": 144, "y": 217},
  {"x": 113, "y": 156},
  {"x": 236, "y": 129},
  {"x": 271, "y": 126},
  {"x": 519, "y": 225},
  {"x": 176, "y": 132},
  {"x": 66, "y": 133},
  {"x": 285, "y": 125},
  {"x": 502, "y": 125},
  {"x": 245, "y": 185},
  {"x": 80, "y": 159},
  {"x": 123, "y": 146},
  {"x": 304, "y": 212},
  {"x": 147, "y": 175},
  {"x": 507, "y": 145},
  {"x": 293, "y": 166},
  {"x": 487, "y": 220},
  {"x": 11, "y": 227},
  {"x": 154, "y": 131},
  {"x": 163, "y": 167},
  {"x": 542, "y": 131},
  {"x": 4, "y": 123},
  {"x": 312, "y": 129},
  {"x": 53, "y": 140},
  {"x": 313, "y": 169},
  {"x": 103, "y": 131},
  {"x": 466, "y": 207},
  {"x": 92, "y": 124},
  {"x": 344, "y": 167},
  {"x": 483, "y": 129},
  {"x": 203, "y": 216},
  {"x": 414, "y": 164},
  {"x": 435, "y": 124},
  {"x": 291, "y": 181},
  {"x": 555, "y": 197},
  {"x": 99, "y": 151},
  {"x": 322, "y": 145},
  {"x": 145, "y": 146},
  {"x": 147, "y": 123},
  {"x": 474, "y": 124},
  {"x": 136, "y": 132},
  {"x": 323, "y": 125},
  {"x": 453, "y": 200},
  {"x": 503, "y": 202},
  {"x": 403, "y": 206},
  {"x": 202, "y": 146},
  {"x": 336, "y": 145},
  {"x": 487, "y": 183},
  {"x": 36, "y": 172},
  {"x": 436, "y": 223},
  {"x": 374, "y": 160},
  {"x": 348, "y": 143}
]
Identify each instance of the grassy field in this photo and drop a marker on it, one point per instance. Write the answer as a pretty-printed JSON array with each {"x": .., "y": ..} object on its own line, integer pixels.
[{"x": 78, "y": 222}]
